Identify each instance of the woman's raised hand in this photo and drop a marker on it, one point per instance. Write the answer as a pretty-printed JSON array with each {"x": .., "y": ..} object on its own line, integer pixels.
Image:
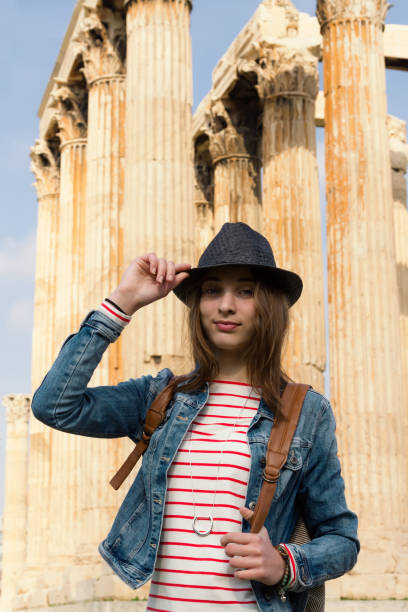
[{"x": 147, "y": 279}]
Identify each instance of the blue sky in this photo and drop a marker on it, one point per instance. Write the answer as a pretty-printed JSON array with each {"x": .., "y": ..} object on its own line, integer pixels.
[{"x": 30, "y": 37}]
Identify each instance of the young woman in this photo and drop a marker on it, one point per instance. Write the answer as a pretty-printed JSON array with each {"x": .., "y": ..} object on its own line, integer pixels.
[{"x": 185, "y": 521}]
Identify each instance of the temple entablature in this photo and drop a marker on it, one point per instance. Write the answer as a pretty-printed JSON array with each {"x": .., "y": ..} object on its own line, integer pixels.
[{"x": 277, "y": 22}]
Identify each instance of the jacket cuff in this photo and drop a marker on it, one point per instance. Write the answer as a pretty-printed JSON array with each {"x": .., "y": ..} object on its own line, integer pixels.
[
  {"x": 302, "y": 578},
  {"x": 114, "y": 313},
  {"x": 104, "y": 325}
]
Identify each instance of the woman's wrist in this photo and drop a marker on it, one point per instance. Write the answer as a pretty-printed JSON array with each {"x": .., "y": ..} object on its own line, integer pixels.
[
  {"x": 114, "y": 312},
  {"x": 124, "y": 301}
]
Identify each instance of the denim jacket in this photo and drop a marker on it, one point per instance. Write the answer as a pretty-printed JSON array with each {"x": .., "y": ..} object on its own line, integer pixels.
[{"x": 310, "y": 482}]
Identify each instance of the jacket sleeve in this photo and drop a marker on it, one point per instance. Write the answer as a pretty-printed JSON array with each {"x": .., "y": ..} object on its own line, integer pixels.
[
  {"x": 334, "y": 546},
  {"x": 65, "y": 402}
]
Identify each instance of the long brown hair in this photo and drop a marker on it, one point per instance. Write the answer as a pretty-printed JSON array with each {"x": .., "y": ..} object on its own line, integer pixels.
[{"x": 263, "y": 355}]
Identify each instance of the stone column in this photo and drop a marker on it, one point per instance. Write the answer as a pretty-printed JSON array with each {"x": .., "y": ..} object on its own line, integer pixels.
[
  {"x": 46, "y": 170},
  {"x": 288, "y": 86},
  {"x": 399, "y": 161},
  {"x": 365, "y": 355},
  {"x": 158, "y": 209},
  {"x": 234, "y": 151},
  {"x": 63, "y": 455},
  {"x": 70, "y": 105},
  {"x": 102, "y": 46},
  {"x": 15, "y": 508},
  {"x": 203, "y": 194}
]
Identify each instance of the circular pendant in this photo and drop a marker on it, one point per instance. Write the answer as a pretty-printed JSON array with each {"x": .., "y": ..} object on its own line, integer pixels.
[{"x": 203, "y": 518}]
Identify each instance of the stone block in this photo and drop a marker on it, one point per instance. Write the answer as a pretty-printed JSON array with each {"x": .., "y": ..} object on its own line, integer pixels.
[
  {"x": 59, "y": 596},
  {"x": 17, "y": 603},
  {"x": 110, "y": 586},
  {"x": 83, "y": 590},
  {"x": 369, "y": 586},
  {"x": 36, "y": 598},
  {"x": 401, "y": 586},
  {"x": 333, "y": 589}
]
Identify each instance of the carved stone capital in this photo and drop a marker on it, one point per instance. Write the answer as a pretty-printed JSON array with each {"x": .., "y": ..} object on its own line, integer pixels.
[
  {"x": 128, "y": 3},
  {"x": 233, "y": 132},
  {"x": 102, "y": 43},
  {"x": 17, "y": 408},
  {"x": 345, "y": 10},
  {"x": 70, "y": 104},
  {"x": 397, "y": 128},
  {"x": 203, "y": 169},
  {"x": 397, "y": 133},
  {"x": 45, "y": 169},
  {"x": 283, "y": 72}
]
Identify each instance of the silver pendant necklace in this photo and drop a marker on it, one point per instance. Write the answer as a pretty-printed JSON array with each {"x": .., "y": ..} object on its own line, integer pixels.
[{"x": 209, "y": 517}]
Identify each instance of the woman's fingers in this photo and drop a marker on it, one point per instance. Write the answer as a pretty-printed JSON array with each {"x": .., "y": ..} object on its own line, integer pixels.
[
  {"x": 171, "y": 272},
  {"x": 161, "y": 270},
  {"x": 151, "y": 260},
  {"x": 246, "y": 513}
]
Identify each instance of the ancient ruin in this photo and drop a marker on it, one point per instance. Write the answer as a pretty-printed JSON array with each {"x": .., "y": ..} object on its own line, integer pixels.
[{"x": 122, "y": 167}]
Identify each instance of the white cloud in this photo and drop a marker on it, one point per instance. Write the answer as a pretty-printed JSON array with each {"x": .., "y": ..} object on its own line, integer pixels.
[
  {"x": 17, "y": 258},
  {"x": 20, "y": 315}
]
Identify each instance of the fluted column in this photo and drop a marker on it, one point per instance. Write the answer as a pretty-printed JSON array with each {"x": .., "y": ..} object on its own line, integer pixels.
[
  {"x": 70, "y": 113},
  {"x": 397, "y": 131},
  {"x": 288, "y": 85},
  {"x": 15, "y": 508},
  {"x": 102, "y": 46},
  {"x": 203, "y": 195},
  {"x": 365, "y": 355},
  {"x": 158, "y": 209},
  {"x": 45, "y": 167},
  {"x": 234, "y": 151},
  {"x": 46, "y": 170},
  {"x": 70, "y": 106}
]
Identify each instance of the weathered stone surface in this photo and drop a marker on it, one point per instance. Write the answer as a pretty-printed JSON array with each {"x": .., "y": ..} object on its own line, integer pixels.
[
  {"x": 365, "y": 361},
  {"x": 15, "y": 513},
  {"x": 287, "y": 82},
  {"x": 158, "y": 169},
  {"x": 234, "y": 148}
]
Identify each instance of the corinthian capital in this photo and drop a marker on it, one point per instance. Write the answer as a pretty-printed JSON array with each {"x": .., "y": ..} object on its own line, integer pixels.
[
  {"x": 70, "y": 104},
  {"x": 341, "y": 10},
  {"x": 233, "y": 130},
  {"x": 17, "y": 408},
  {"x": 45, "y": 169},
  {"x": 283, "y": 71},
  {"x": 102, "y": 43},
  {"x": 188, "y": 3}
]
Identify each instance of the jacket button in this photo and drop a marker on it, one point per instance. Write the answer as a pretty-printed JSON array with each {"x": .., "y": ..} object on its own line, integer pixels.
[
  {"x": 252, "y": 505},
  {"x": 262, "y": 461},
  {"x": 268, "y": 594}
]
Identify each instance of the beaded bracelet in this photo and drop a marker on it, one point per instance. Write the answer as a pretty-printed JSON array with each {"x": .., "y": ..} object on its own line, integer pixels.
[{"x": 284, "y": 581}]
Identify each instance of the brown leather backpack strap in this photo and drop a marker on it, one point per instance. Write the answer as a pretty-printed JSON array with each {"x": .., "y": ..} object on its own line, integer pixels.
[
  {"x": 154, "y": 416},
  {"x": 278, "y": 448}
]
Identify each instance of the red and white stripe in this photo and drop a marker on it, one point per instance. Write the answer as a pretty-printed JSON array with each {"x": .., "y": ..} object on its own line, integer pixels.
[
  {"x": 192, "y": 573},
  {"x": 114, "y": 313}
]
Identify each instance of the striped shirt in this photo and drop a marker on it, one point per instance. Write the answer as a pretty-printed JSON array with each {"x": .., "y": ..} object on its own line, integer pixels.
[{"x": 209, "y": 476}]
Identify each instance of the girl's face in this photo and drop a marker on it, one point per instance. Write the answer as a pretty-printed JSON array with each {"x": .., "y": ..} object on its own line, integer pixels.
[{"x": 227, "y": 307}]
